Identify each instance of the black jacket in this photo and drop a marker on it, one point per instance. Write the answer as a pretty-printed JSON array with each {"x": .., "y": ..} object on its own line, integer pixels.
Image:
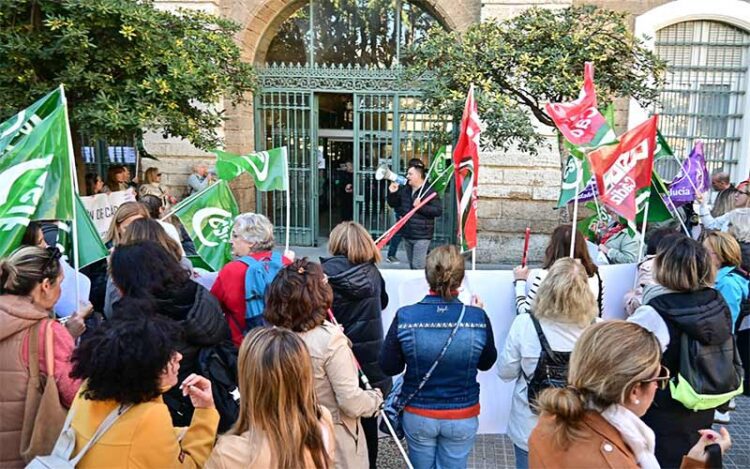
[
  {"x": 702, "y": 315},
  {"x": 359, "y": 297},
  {"x": 422, "y": 224},
  {"x": 745, "y": 248},
  {"x": 203, "y": 325}
]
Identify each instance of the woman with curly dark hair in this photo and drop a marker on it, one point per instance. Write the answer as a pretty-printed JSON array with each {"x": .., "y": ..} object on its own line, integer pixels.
[
  {"x": 299, "y": 299},
  {"x": 161, "y": 284},
  {"x": 127, "y": 365}
]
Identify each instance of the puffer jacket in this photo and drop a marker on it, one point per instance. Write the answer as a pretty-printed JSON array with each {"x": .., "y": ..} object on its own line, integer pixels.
[
  {"x": 733, "y": 287},
  {"x": 203, "y": 325},
  {"x": 745, "y": 248},
  {"x": 359, "y": 297},
  {"x": 17, "y": 317},
  {"x": 422, "y": 224}
]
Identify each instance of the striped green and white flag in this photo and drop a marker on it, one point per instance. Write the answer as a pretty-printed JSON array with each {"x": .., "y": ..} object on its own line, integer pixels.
[{"x": 269, "y": 169}]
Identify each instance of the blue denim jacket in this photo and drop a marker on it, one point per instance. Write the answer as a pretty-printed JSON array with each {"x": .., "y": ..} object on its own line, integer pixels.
[{"x": 415, "y": 339}]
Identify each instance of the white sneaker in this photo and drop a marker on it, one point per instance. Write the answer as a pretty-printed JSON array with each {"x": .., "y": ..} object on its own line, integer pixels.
[
  {"x": 732, "y": 406},
  {"x": 721, "y": 417}
]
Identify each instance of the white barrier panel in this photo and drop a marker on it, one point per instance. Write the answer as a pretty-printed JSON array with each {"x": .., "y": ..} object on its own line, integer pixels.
[{"x": 495, "y": 288}]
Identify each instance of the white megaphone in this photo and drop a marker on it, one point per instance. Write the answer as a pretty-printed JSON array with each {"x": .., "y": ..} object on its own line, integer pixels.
[{"x": 384, "y": 172}]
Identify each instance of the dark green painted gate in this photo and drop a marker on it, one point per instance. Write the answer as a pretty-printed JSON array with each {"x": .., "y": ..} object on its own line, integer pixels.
[{"x": 390, "y": 126}]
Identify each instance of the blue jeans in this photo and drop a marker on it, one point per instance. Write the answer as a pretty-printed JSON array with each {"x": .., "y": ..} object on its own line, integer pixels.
[
  {"x": 439, "y": 443},
  {"x": 522, "y": 458}
]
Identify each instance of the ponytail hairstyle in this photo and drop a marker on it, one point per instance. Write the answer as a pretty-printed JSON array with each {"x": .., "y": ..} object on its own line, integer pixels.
[
  {"x": 608, "y": 361},
  {"x": 27, "y": 267},
  {"x": 445, "y": 271}
]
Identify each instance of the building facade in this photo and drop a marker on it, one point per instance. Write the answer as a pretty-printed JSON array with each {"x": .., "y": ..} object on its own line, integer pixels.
[{"x": 331, "y": 92}]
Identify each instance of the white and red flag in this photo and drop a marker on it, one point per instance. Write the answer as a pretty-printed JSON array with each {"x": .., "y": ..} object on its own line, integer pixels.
[
  {"x": 580, "y": 121},
  {"x": 466, "y": 169},
  {"x": 624, "y": 169}
]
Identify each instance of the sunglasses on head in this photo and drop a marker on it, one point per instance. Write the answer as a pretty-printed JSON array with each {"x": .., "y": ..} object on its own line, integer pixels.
[{"x": 662, "y": 380}]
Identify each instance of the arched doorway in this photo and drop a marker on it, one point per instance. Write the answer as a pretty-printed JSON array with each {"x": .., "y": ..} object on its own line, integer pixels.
[{"x": 332, "y": 91}]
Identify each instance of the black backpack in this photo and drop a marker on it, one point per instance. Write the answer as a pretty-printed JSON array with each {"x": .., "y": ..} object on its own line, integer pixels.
[
  {"x": 551, "y": 369},
  {"x": 218, "y": 363},
  {"x": 744, "y": 304}
]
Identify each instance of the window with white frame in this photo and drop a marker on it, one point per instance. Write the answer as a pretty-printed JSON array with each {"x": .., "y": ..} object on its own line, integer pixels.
[{"x": 704, "y": 96}]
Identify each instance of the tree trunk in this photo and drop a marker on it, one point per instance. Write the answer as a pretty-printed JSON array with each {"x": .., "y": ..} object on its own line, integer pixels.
[{"x": 78, "y": 159}]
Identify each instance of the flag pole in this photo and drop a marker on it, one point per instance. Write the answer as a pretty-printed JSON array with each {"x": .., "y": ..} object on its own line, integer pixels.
[
  {"x": 642, "y": 241},
  {"x": 74, "y": 182},
  {"x": 575, "y": 209},
  {"x": 674, "y": 211},
  {"x": 288, "y": 198}
]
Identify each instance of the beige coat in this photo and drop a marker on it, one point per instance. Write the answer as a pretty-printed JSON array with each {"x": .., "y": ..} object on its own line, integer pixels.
[
  {"x": 251, "y": 448},
  {"x": 337, "y": 388}
]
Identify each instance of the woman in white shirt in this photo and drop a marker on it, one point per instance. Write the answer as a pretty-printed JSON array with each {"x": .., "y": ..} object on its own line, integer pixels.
[
  {"x": 741, "y": 204},
  {"x": 564, "y": 306},
  {"x": 558, "y": 248}
]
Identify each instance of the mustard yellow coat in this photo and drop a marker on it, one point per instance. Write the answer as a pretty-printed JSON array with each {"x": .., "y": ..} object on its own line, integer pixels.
[{"x": 143, "y": 437}]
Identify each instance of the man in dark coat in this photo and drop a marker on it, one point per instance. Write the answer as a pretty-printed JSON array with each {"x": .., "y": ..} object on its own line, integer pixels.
[{"x": 418, "y": 231}]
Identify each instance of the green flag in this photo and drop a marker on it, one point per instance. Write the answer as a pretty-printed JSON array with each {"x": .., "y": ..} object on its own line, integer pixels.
[
  {"x": 90, "y": 246},
  {"x": 208, "y": 217},
  {"x": 441, "y": 171},
  {"x": 593, "y": 226},
  {"x": 663, "y": 150},
  {"x": 270, "y": 169},
  {"x": 35, "y": 168},
  {"x": 658, "y": 209}
]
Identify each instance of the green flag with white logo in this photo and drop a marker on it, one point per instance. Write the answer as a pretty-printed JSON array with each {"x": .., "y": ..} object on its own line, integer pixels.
[
  {"x": 270, "y": 169},
  {"x": 35, "y": 168},
  {"x": 663, "y": 150},
  {"x": 90, "y": 246},
  {"x": 208, "y": 217},
  {"x": 441, "y": 171}
]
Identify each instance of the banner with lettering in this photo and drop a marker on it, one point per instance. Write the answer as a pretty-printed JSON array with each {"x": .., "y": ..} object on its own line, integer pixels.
[
  {"x": 692, "y": 176},
  {"x": 102, "y": 208},
  {"x": 622, "y": 170}
]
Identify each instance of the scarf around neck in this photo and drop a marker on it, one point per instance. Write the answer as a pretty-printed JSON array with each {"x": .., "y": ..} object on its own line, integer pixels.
[{"x": 636, "y": 434}]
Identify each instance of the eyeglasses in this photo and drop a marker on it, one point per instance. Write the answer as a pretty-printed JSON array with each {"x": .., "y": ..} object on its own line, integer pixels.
[{"x": 662, "y": 379}]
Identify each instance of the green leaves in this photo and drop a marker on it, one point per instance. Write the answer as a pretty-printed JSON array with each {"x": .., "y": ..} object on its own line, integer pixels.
[
  {"x": 538, "y": 56},
  {"x": 126, "y": 66}
]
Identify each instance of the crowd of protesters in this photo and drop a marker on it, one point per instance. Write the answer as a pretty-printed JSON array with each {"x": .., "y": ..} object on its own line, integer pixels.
[{"x": 284, "y": 363}]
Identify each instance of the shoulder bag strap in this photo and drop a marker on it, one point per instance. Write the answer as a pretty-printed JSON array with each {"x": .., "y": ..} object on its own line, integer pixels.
[
  {"x": 34, "y": 351},
  {"x": 542, "y": 338},
  {"x": 106, "y": 424},
  {"x": 49, "y": 350},
  {"x": 437, "y": 360}
]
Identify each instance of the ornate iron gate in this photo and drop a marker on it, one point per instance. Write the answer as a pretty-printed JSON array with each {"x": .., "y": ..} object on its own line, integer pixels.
[{"x": 390, "y": 127}]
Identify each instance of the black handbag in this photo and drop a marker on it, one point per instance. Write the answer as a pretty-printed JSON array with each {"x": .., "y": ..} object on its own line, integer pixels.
[{"x": 393, "y": 407}]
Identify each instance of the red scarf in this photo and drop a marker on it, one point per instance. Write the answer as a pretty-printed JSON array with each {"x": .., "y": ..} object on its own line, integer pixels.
[{"x": 613, "y": 231}]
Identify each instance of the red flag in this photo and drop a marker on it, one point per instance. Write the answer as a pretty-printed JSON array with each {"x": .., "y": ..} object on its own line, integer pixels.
[
  {"x": 580, "y": 121},
  {"x": 622, "y": 169},
  {"x": 383, "y": 240},
  {"x": 466, "y": 170}
]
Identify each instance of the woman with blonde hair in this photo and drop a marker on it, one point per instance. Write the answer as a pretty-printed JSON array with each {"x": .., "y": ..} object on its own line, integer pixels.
[
  {"x": 299, "y": 299},
  {"x": 359, "y": 297},
  {"x": 280, "y": 424},
  {"x": 562, "y": 309},
  {"x": 615, "y": 371},
  {"x": 126, "y": 214},
  {"x": 152, "y": 186},
  {"x": 452, "y": 340},
  {"x": 726, "y": 258}
]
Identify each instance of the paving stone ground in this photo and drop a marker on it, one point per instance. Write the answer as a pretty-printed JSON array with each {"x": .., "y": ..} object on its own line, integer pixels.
[{"x": 496, "y": 451}]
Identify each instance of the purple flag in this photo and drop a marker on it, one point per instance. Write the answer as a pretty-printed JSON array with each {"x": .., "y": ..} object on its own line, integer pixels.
[
  {"x": 589, "y": 192},
  {"x": 693, "y": 175}
]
